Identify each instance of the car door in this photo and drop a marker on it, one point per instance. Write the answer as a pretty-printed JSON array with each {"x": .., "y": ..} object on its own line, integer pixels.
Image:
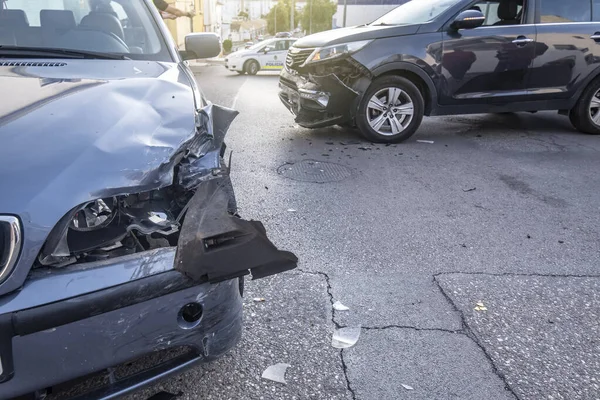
[
  {"x": 489, "y": 62},
  {"x": 569, "y": 32},
  {"x": 277, "y": 55}
]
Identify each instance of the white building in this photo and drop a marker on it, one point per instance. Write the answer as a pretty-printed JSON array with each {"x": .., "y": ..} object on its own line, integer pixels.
[
  {"x": 360, "y": 12},
  {"x": 213, "y": 16}
]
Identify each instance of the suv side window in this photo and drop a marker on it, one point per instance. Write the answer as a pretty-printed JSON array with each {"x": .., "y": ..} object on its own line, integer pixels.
[
  {"x": 489, "y": 8},
  {"x": 557, "y": 11}
]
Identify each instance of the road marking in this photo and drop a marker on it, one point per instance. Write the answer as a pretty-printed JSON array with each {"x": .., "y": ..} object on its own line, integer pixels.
[{"x": 235, "y": 99}]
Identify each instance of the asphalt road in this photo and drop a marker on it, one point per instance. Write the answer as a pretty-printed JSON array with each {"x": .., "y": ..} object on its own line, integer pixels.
[{"x": 500, "y": 210}]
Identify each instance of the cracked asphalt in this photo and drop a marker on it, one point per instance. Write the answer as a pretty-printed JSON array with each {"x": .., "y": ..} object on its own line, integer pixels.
[{"x": 471, "y": 263}]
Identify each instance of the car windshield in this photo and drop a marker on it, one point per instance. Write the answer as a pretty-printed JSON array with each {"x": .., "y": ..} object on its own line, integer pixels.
[
  {"x": 122, "y": 28},
  {"x": 415, "y": 12}
]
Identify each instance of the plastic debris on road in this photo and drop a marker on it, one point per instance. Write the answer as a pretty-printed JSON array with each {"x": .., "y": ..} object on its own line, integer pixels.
[
  {"x": 469, "y": 190},
  {"x": 276, "y": 373},
  {"x": 407, "y": 387},
  {"x": 479, "y": 306},
  {"x": 291, "y": 210},
  {"x": 338, "y": 306},
  {"x": 344, "y": 338},
  {"x": 258, "y": 299},
  {"x": 426, "y": 141}
]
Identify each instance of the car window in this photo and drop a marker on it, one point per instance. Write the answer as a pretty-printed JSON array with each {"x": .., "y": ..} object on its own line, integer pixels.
[
  {"x": 596, "y": 10},
  {"x": 489, "y": 8},
  {"x": 281, "y": 45},
  {"x": 102, "y": 26},
  {"x": 557, "y": 11},
  {"x": 415, "y": 12}
]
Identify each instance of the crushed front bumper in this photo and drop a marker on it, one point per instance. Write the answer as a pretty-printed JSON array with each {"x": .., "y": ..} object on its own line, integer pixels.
[
  {"x": 59, "y": 327},
  {"x": 86, "y": 318},
  {"x": 317, "y": 101}
]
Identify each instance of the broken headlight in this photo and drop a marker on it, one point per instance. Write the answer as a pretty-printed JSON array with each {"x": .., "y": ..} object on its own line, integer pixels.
[
  {"x": 335, "y": 51},
  {"x": 115, "y": 226}
]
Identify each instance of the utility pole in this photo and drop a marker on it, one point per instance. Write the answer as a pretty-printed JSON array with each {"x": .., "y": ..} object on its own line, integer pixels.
[
  {"x": 291, "y": 15},
  {"x": 310, "y": 18},
  {"x": 345, "y": 9}
]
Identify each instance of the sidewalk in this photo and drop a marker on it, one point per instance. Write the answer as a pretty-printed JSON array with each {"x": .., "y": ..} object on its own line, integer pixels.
[{"x": 193, "y": 64}]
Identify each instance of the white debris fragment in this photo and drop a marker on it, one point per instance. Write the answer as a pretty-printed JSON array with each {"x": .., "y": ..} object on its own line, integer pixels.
[
  {"x": 338, "y": 306},
  {"x": 276, "y": 373},
  {"x": 407, "y": 387},
  {"x": 426, "y": 141},
  {"x": 291, "y": 210},
  {"x": 258, "y": 299},
  {"x": 345, "y": 338}
]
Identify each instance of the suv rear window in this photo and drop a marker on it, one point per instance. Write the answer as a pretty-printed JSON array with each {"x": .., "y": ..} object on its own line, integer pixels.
[{"x": 102, "y": 26}]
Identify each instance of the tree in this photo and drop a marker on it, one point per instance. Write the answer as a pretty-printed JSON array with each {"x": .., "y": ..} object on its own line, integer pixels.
[
  {"x": 243, "y": 14},
  {"x": 319, "y": 18},
  {"x": 278, "y": 18},
  {"x": 227, "y": 44}
]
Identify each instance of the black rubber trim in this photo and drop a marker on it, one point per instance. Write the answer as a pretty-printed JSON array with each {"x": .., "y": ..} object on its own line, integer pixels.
[{"x": 71, "y": 310}]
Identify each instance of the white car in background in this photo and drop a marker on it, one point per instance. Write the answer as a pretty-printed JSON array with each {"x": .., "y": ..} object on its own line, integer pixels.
[{"x": 268, "y": 55}]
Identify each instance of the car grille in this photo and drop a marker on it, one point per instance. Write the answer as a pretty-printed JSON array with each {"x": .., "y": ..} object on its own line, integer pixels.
[
  {"x": 10, "y": 244},
  {"x": 296, "y": 57}
]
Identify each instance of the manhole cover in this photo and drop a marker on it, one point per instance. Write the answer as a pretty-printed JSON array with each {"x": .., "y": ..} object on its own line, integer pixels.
[{"x": 315, "y": 171}]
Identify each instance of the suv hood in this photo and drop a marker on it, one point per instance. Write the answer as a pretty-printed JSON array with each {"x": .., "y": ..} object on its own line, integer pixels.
[{"x": 355, "y": 33}]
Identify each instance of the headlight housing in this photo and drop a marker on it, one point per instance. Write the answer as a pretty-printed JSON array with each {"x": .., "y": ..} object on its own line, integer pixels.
[{"x": 336, "y": 51}]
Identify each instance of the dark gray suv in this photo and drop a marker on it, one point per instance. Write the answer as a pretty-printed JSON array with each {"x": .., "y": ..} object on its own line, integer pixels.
[
  {"x": 119, "y": 236},
  {"x": 443, "y": 57}
]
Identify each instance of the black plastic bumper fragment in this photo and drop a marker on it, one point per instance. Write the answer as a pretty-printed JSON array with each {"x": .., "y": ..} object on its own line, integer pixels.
[{"x": 215, "y": 246}]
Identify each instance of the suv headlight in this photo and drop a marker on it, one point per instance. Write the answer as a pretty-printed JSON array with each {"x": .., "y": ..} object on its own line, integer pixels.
[{"x": 335, "y": 51}]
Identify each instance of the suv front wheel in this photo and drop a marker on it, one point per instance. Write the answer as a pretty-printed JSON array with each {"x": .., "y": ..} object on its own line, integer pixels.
[
  {"x": 391, "y": 110},
  {"x": 585, "y": 116}
]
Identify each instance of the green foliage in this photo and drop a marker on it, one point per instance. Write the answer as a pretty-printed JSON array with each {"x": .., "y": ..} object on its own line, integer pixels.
[
  {"x": 227, "y": 45},
  {"x": 243, "y": 14},
  {"x": 278, "y": 18},
  {"x": 322, "y": 13}
]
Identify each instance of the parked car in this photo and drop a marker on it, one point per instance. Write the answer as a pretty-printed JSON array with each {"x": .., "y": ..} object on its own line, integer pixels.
[
  {"x": 283, "y": 35},
  {"x": 446, "y": 57},
  {"x": 119, "y": 235},
  {"x": 267, "y": 55},
  {"x": 247, "y": 45},
  {"x": 261, "y": 38}
]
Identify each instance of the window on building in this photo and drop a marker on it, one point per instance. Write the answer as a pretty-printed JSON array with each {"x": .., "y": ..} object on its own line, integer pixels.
[{"x": 561, "y": 11}]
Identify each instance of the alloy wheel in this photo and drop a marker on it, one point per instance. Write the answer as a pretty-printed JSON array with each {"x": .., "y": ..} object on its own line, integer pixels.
[
  {"x": 390, "y": 111},
  {"x": 595, "y": 108}
]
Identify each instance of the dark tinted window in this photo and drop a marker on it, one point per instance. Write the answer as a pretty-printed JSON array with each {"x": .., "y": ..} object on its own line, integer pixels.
[
  {"x": 557, "y": 11},
  {"x": 596, "y": 10},
  {"x": 489, "y": 8}
]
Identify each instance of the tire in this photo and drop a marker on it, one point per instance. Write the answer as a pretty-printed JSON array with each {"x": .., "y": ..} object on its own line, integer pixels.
[
  {"x": 252, "y": 67},
  {"x": 585, "y": 116},
  {"x": 372, "y": 114}
]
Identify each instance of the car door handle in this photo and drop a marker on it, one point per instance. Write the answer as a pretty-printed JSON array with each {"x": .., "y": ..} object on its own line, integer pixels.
[
  {"x": 522, "y": 40},
  {"x": 595, "y": 36}
]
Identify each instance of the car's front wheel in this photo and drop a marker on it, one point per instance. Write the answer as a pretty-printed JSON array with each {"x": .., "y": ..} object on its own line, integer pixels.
[
  {"x": 251, "y": 67},
  {"x": 585, "y": 116},
  {"x": 391, "y": 110}
]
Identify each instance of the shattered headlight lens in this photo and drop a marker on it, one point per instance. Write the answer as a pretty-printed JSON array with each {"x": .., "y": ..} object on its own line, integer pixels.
[
  {"x": 335, "y": 51},
  {"x": 94, "y": 215}
]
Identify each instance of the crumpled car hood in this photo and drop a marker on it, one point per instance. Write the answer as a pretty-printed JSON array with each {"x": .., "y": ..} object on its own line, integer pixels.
[
  {"x": 82, "y": 134},
  {"x": 95, "y": 128}
]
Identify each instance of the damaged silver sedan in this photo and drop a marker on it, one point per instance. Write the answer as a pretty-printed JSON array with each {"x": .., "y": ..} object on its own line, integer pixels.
[{"x": 119, "y": 233}]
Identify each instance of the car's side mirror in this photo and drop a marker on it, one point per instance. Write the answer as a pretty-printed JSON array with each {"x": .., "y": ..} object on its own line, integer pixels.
[
  {"x": 267, "y": 49},
  {"x": 201, "y": 45},
  {"x": 468, "y": 19}
]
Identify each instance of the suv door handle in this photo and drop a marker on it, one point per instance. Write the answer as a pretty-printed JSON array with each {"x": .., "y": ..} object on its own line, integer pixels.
[
  {"x": 522, "y": 40},
  {"x": 595, "y": 36}
]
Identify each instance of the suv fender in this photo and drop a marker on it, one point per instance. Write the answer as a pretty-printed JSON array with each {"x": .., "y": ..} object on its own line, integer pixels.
[{"x": 422, "y": 80}]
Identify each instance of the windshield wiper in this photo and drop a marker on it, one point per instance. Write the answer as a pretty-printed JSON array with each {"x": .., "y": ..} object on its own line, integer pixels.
[{"x": 36, "y": 52}]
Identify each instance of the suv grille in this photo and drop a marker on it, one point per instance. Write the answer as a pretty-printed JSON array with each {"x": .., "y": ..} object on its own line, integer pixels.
[
  {"x": 10, "y": 244},
  {"x": 296, "y": 57}
]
